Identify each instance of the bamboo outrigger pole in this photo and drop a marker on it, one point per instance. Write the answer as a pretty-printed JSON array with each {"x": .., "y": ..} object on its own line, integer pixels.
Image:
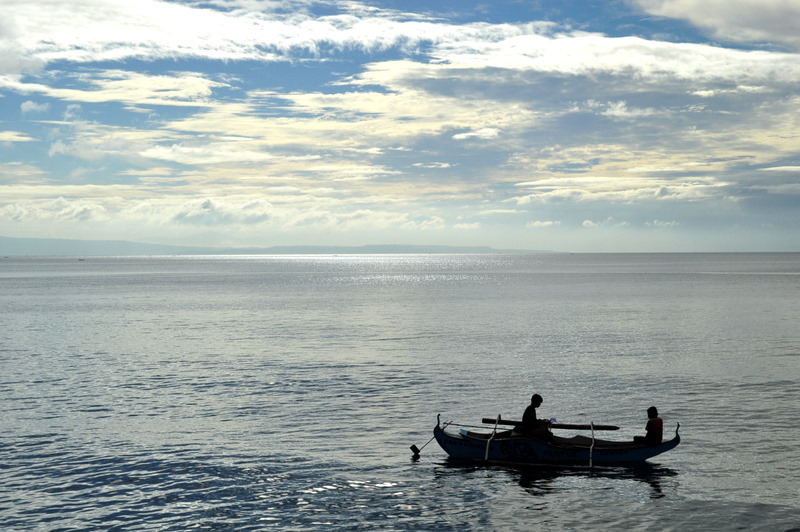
[{"x": 572, "y": 426}]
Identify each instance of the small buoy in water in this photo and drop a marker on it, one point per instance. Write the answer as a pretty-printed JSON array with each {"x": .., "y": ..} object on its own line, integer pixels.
[{"x": 415, "y": 450}]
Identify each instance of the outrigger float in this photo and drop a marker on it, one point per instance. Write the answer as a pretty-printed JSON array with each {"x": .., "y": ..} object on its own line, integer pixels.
[{"x": 512, "y": 447}]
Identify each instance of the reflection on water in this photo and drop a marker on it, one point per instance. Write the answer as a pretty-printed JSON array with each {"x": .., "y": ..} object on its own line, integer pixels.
[{"x": 544, "y": 480}]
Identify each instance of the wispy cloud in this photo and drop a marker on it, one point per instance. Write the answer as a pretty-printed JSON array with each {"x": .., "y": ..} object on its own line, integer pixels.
[
  {"x": 543, "y": 223},
  {"x": 15, "y": 136}
]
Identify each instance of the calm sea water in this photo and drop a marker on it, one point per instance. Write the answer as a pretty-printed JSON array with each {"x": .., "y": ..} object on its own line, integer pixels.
[{"x": 249, "y": 393}]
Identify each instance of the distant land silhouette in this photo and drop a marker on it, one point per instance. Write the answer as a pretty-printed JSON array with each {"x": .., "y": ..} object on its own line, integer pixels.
[{"x": 64, "y": 247}]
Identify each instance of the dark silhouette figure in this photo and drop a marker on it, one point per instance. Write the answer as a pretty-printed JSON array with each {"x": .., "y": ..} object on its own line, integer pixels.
[
  {"x": 531, "y": 425},
  {"x": 654, "y": 429}
]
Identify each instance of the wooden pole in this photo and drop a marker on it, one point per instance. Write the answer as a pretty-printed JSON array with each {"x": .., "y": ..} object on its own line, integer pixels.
[{"x": 569, "y": 426}]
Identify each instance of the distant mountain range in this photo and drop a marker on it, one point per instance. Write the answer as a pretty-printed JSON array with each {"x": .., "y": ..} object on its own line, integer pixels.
[{"x": 64, "y": 247}]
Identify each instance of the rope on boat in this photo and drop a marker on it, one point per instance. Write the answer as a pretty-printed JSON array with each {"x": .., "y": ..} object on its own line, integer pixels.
[
  {"x": 494, "y": 433},
  {"x": 591, "y": 447}
]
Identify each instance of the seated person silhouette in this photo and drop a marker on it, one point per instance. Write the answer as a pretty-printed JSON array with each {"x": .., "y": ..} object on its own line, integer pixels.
[
  {"x": 654, "y": 428},
  {"x": 532, "y": 426}
]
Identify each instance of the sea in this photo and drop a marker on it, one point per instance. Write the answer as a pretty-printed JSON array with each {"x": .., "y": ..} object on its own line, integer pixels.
[{"x": 283, "y": 392}]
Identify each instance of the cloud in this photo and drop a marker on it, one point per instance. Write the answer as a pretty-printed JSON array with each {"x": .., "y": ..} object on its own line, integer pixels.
[
  {"x": 209, "y": 212},
  {"x": 750, "y": 21},
  {"x": 617, "y": 110},
  {"x": 619, "y": 190},
  {"x": 91, "y": 141},
  {"x": 433, "y": 165},
  {"x": 111, "y": 30},
  {"x": 14, "y": 62},
  {"x": 795, "y": 169},
  {"x": 59, "y": 210},
  {"x": 139, "y": 89},
  {"x": 33, "y": 107},
  {"x": 283, "y": 213},
  {"x": 641, "y": 60},
  {"x": 424, "y": 224},
  {"x": 114, "y": 30},
  {"x": 17, "y": 173},
  {"x": 661, "y": 223},
  {"x": 467, "y": 226},
  {"x": 543, "y": 223},
  {"x": 492, "y": 212},
  {"x": 483, "y": 133},
  {"x": 608, "y": 222},
  {"x": 15, "y": 136},
  {"x": 206, "y": 153}
]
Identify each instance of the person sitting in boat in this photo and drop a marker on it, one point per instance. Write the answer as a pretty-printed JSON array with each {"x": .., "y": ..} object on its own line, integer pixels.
[
  {"x": 531, "y": 425},
  {"x": 654, "y": 428}
]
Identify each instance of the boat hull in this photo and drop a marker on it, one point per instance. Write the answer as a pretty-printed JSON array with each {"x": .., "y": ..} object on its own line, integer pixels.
[{"x": 518, "y": 449}]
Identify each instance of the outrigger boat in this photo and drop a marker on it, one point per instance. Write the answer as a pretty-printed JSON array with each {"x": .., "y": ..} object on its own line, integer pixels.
[{"x": 515, "y": 448}]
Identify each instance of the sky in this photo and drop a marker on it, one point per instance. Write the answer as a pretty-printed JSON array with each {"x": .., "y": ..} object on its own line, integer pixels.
[{"x": 580, "y": 126}]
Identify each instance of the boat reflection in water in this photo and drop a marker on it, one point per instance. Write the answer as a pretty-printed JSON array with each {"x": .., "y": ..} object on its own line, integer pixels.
[
  {"x": 541, "y": 482},
  {"x": 538, "y": 481}
]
